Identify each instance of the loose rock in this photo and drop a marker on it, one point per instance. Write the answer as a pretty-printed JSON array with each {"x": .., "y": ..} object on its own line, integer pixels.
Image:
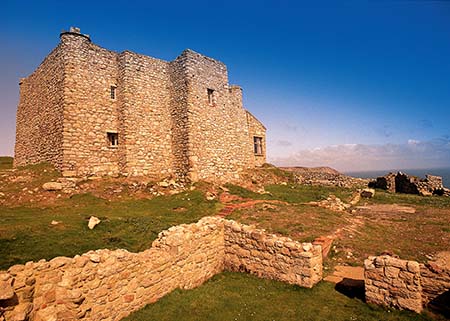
[
  {"x": 93, "y": 221},
  {"x": 368, "y": 193},
  {"x": 52, "y": 186}
]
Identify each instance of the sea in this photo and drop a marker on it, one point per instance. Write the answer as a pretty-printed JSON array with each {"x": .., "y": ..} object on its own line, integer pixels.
[{"x": 444, "y": 172}]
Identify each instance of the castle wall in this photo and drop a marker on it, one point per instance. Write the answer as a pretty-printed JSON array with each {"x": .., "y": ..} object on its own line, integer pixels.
[
  {"x": 109, "y": 285},
  {"x": 178, "y": 118},
  {"x": 89, "y": 110},
  {"x": 146, "y": 121},
  {"x": 218, "y": 131},
  {"x": 256, "y": 129},
  {"x": 40, "y": 113}
]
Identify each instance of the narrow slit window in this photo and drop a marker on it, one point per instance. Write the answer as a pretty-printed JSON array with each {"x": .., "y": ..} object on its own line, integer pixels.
[
  {"x": 257, "y": 145},
  {"x": 210, "y": 96},
  {"x": 113, "y": 139},
  {"x": 113, "y": 92}
]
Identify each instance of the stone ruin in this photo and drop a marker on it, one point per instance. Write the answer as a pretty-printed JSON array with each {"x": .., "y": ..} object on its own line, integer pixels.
[
  {"x": 408, "y": 285},
  {"x": 403, "y": 183},
  {"x": 109, "y": 285}
]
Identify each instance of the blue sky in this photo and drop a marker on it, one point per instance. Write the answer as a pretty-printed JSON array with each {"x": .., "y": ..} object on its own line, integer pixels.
[{"x": 356, "y": 85}]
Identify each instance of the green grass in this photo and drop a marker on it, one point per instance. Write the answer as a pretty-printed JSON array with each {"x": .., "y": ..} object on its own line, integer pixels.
[
  {"x": 239, "y": 296},
  {"x": 26, "y": 233},
  {"x": 303, "y": 223},
  {"x": 6, "y": 162},
  {"x": 292, "y": 193},
  {"x": 383, "y": 197}
]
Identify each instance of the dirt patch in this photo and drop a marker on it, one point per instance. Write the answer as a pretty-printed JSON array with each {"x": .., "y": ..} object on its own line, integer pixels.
[
  {"x": 342, "y": 271},
  {"x": 386, "y": 208}
]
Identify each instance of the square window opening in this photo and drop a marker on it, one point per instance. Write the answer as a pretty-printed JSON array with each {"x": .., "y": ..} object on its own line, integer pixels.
[
  {"x": 113, "y": 139},
  {"x": 210, "y": 96},
  {"x": 257, "y": 145},
  {"x": 113, "y": 92}
]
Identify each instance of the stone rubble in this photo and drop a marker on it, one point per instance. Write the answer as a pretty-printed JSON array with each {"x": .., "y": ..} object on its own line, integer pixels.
[
  {"x": 332, "y": 203},
  {"x": 324, "y": 176}
]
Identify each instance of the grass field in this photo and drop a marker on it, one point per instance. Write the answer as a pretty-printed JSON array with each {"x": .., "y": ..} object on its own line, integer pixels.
[
  {"x": 26, "y": 232},
  {"x": 238, "y": 296}
]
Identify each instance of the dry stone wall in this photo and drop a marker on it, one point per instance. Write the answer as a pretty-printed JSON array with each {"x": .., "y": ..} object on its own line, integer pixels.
[
  {"x": 435, "y": 279},
  {"x": 109, "y": 285},
  {"x": 269, "y": 256},
  {"x": 393, "y": 282},
  {"x": 178, "y": 118},
  {"x": 404, "y": 284}
]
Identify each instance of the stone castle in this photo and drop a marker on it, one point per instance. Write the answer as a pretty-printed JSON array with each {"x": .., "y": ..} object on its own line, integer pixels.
[{"x": 91, "y": 111}]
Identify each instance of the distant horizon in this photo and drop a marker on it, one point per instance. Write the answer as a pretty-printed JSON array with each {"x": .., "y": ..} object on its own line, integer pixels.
[{"x": 350, "y": 171}]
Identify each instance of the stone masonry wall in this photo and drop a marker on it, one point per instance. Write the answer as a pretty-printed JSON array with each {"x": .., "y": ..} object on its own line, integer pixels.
[
  {"x": 89, "y": 110},
  {"x": 435, "y": 280},
  {"x": 109, "y": 285},
  {"x": 393, "y": 282},
  {"x": 405, "y": 284},
  {"x": 40, "y": 113},
  {"x": 256, "y": 129},
  {"x": 269, "y": 256},
  {"x": 218, "y": 132},
  {"x": 180, "y": 118},
  {"x": 146, "y": 124}
]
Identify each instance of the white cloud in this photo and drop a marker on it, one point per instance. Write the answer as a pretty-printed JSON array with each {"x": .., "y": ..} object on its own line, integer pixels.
[{"x": 412, "y": 154}]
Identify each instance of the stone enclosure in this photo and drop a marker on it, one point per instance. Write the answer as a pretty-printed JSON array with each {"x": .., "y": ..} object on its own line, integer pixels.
[
  {"x": 109, "y": 285},
  {"x": 91, "y": 111}
]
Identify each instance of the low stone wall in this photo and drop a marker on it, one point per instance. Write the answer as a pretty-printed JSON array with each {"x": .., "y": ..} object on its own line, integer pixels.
[
  {"x": 109, "y": 285},
  {"x": 404, "y": 284},
  {"x": 269, "y": 256},
  {"x": 393, "y": 282},
  {"x": 435, "y": 281}
]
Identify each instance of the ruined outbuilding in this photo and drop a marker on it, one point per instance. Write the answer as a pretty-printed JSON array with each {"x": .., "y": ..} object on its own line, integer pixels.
[
  {"x": 91, "y": 111},
  {"x": 402, "y": 183}
]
